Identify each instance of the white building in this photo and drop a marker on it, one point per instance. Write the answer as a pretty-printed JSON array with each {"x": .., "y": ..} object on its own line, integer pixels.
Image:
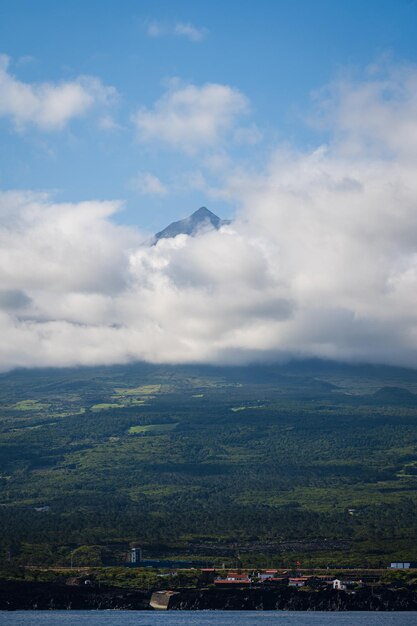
[{"x": 339, "y": 585}]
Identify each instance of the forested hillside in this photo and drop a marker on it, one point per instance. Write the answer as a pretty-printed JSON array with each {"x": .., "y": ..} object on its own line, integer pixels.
[{"x": 309, "y": 460}]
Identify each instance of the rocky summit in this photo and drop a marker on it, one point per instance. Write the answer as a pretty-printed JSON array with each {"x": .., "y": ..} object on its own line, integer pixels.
[{"x": 200, "y": 221}]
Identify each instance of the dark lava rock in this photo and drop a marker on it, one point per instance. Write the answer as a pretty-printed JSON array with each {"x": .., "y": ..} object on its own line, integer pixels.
[
  {"x": 287, "y": 599},
  {"x": 30, "y": 595}
]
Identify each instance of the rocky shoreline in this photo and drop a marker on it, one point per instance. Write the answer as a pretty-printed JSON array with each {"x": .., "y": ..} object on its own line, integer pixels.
[
  {"x": 21, "y": 595},
  {"x": 286, "y": 599}
]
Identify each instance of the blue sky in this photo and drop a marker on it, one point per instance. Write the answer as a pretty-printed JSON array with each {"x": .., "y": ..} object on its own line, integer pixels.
[{"x": 273, "y": 54}]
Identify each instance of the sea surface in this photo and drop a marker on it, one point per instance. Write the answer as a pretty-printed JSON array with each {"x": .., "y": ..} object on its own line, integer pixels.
[{"x": 205, "y": 618}]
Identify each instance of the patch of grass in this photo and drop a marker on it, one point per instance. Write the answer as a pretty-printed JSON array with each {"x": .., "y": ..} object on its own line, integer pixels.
[
  {"x": 30, "y": 405},
  {"x": 104, "y": 406},
  {"x": 152, "y": 429}
]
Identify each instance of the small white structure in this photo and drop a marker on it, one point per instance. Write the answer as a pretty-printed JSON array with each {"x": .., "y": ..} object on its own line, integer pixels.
[
  {"x": 339, "y": 585},
  {"x": 136, "y": 555}
]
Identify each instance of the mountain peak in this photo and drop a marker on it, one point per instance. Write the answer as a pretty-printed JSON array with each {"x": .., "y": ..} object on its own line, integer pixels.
[
  {"x": 200, "y": 221},
  {"x": 203, "y": 212}
]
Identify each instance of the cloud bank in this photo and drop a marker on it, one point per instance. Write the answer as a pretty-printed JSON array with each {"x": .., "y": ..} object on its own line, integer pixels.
[{"x": 321, "y": 259}]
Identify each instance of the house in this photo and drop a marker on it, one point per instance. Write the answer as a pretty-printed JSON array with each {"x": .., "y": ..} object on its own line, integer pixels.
[
  {"x": 233, "y": 579},
  {"x": 266, "y": 574},
  {"x": 339, "y": 585},
  {"x": 300, "y": 581},
  {"x": 276, "y": 580}
]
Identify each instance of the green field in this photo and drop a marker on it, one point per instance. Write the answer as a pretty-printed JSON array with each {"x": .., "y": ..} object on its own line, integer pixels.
[{"x": 265, "y": 464}]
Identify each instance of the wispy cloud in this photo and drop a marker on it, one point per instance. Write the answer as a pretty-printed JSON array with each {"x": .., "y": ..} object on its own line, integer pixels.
[
  {"x": 107, "y": 122},
  {"x": 188, "y": 117},
  {"x": 148, "y": 184},
  {"x": 26, "y": 59},
  {"x": 176, "y": 29},
  {"x": 49, "y": 106}
]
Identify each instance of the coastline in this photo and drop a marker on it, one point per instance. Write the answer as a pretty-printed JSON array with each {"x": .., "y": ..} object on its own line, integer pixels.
[{"x": 21, "y": 595}]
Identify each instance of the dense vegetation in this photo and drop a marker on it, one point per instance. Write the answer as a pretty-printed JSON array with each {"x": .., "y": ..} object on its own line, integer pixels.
[{"x": 269, "y": 464}]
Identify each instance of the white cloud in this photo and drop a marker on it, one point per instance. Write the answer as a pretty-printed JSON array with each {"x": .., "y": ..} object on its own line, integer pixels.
[
  {"x": 377, "y": 113},
  {"x": 321, "y": 261},
  {"x": 49, "y": 106},
  {"x": 148, "y": 184},
  {"x": 178, "y": 29},
  {"x": 60, "y": 247},
  {"x": 190, "y": 118}
]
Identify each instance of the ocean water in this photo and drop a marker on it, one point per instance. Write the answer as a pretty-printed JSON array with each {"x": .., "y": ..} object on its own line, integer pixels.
[{"x": 204, "y": 618}]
